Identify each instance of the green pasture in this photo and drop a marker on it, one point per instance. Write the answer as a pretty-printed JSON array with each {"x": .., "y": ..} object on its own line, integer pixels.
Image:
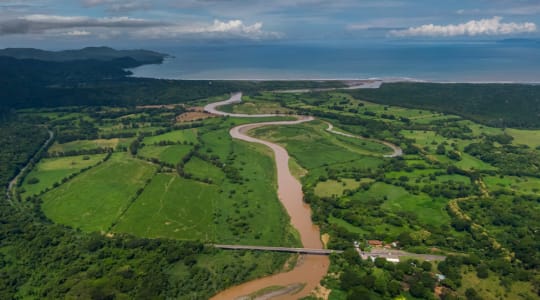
[
  {"x": 203, "y": 169},
  {"x": 523, "y": 185},
  {"x": 333, "y": 187},
  {"x": 530, "y": 138},
  {"x": 171, "y": 154},
  {"x": 52, "y": 170},
  {"x": 93, "y": 200},
  {"x": 89, "y": 144},
  {"x": 172, "y": 207},
  {"x": 490, "y": 288},
  {"x": 253, "y": 106},
  {"x": 176, "y": 136},
  {"x": 469, "y": 162},
  {"x": 312, "y": 146},
  {"x": 428, "y": 210}
]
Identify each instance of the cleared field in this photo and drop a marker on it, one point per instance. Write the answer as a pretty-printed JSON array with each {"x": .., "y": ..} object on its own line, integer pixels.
[
  {"x": 172, "y": 207},
  {"x": 424, "y": 137},
  {"x": 469, "y": 162},
  {"x": 95, "y": 199},
  {"x": 428, "y": 210},
  {"x": 88, "y": 145},
  {"x": 524, "y": 185},
  {"x": 312, "y": 146},
  {"x": 252, "y": 106},
  {"x": 490, "y": 288},
  {"x": 51, "y": 170},
  {"x": 203, "y": 169},
  {"x": 187, "y": 135},
  {"x": 172, "y": 154},
  {"x": 334, "y": 187},
  {"x": 530, "y": 138}
]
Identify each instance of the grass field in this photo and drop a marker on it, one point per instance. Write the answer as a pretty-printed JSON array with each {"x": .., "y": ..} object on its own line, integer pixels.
[
  {"x": 252, "y": 106},
  {"x": 428, "y": 210},
  {"x": 186, "y": 135},
  {"x": 530, "y": 138},
  {"x": 96, "y": 198},
  {"x": 334, "y": 187},
  {"x": 89, "y": 145},
  {"x": 51, "y": 170},
  {"x": 312, "y": 146},
  {"x": 523, "y": 185},
  {"x": 203, "y": 169},
  {"x": 250, "y": 212},
  {"x": 172, "y": 154},
  {"x": 172, "y": 207},
  {"x": 490, "y": 288}
]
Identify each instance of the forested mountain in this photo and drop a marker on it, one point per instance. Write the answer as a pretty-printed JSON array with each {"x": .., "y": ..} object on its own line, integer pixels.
[{"x": 88, "y": 53}]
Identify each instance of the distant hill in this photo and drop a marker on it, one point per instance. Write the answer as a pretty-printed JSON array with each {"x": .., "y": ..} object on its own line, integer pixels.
[{"x": 89, "y": 53}]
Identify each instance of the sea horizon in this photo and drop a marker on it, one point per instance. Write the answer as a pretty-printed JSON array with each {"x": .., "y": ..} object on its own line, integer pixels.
[{"x": 487, "y": 62}]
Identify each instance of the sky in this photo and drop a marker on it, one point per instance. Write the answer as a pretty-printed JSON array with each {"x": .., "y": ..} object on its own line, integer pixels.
[{"x": 54, "y": 24}]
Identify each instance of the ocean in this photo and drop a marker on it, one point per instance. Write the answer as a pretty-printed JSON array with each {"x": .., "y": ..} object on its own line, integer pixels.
[{"x": 491, "y": 61}]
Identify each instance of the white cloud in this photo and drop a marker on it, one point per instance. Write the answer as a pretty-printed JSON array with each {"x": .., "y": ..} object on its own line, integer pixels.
[
  {"x": 217, "y": 29},
  {"x": 78, "y": 33},
  {"x": 134, "y": 27},
  {"x": 492, "y": 26}
]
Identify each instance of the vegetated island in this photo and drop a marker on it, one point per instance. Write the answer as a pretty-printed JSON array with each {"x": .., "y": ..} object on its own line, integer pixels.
[{"x": 78, "y": 227}]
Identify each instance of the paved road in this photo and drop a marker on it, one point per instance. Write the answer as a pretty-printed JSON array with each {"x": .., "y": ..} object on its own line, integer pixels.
[
  {"x": 13, "y": 182},
  {"x": 397, "y": 150},
  {"x": 391, "y": 253},
  {"x": 279, "y": 249},
  {"x": 235, "y": 98}
]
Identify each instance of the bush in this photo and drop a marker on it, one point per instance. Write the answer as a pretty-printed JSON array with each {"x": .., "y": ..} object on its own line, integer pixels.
[{"x": 33, "y": 180}]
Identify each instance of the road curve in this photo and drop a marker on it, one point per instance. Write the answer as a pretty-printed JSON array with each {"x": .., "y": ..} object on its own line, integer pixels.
[
  {"x": 235, "y": 98},
  {"x": 397, "y": 150}
]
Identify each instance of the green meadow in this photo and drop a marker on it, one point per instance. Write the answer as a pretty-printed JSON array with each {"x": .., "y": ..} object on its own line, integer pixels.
[
  {"x": 89, "y": 145},
  {"x": 171, "y": 154},
  {"x": 52, "y": 170},
  {"x": 204, "y": 169},
  {"x": 176, "y": 136},
  {"x": 93, "y": 200},
  {"x": 312, "y": 146},
  {"x": 172, "y": 207}
]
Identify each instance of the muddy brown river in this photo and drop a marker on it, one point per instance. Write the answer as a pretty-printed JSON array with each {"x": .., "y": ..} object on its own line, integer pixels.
[{"x": 310, "y": 269}]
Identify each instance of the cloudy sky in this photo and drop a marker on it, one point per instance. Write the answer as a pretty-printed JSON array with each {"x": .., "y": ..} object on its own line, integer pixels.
[{"x": 65, "y": 23}]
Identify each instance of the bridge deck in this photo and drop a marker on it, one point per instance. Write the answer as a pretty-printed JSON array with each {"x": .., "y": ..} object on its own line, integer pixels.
[{"x": 279, "y": 249}]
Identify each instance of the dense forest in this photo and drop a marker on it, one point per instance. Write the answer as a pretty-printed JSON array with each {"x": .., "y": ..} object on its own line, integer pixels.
[
  {"x": 499, "y": 105},
  {"x": 98, "y": 76}
]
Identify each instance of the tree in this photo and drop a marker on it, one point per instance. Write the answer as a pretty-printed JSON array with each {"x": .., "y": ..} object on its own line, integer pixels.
[
  {"x": 482, "y": 271},
  {"x": 32, "y": 180},
  {"x": 440, "y": 149},
  {"x": 349, "y": 279},
  {"x": 352, "y": 257},
  {"x": 417, "y": 290},
  {"x": 394, "y": 288},
  {"x": 380, "y": 285},
  {"x": 426, "y": 266},
  {"x": 471, "y": 294},
  {"x": 380, "y": 262}
]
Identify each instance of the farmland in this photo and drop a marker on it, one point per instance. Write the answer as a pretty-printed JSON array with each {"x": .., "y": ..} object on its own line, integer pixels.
[
  {"x": 358, "y": 195},
  {"x": 138, "y": 173},
  {"x": 79, "y": 203}
]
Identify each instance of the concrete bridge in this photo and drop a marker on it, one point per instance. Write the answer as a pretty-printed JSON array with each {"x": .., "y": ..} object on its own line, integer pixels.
[{"x": 279, "y": 249}]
